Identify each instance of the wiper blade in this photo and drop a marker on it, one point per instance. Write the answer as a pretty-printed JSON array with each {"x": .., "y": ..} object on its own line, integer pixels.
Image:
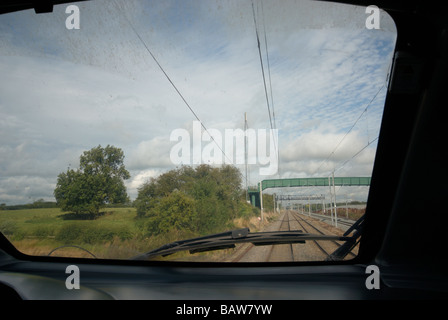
[
  {"x": 226, "y": 240},
  {"x": 340, "y": 253}
]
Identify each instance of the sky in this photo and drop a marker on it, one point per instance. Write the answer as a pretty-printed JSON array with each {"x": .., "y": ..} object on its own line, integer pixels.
[{"x": 64, "y": 91}]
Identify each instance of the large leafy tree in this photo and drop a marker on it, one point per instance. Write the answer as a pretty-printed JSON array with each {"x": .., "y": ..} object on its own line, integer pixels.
[
  {"x": 201, "y": 200},
  {"x": 98, "y": 181}
]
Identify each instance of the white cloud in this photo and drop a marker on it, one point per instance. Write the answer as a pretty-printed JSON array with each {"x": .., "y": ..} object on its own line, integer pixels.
[
  {"x": 138, "y": 178},
  {"x": 151, "y": 153}
]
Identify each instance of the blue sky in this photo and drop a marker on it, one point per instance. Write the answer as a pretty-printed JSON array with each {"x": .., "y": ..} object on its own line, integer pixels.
[{"x": 99, "y": 85}]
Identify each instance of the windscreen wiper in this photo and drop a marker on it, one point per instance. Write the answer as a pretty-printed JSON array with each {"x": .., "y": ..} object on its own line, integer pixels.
[
  {"x": 340, "y": 253},
  {"x": 227, "y": 240}
]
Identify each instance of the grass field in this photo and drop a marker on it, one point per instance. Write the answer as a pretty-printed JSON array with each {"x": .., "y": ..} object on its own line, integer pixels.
[
  {"x": 115, "y": 234},
  {"x": 38, "y": 231}
]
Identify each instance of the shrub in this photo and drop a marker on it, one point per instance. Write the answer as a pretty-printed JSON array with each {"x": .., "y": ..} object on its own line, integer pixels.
[
  {"x": 91, "y": 234},
  {"x": 70, "y": 233},
  {"x": 43, "y": 231},
  {"x": 8, "y": 228},
  {"x": 174, "y": 212},
  {"x": 200, "y": 200}
]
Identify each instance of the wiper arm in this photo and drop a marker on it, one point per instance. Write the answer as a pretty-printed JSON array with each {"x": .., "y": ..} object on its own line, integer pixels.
[
  {"x": 226, "y": 240},
  {"x": 340, "y": 253}
]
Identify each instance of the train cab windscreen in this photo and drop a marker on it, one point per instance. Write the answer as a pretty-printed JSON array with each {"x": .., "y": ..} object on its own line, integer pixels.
[{"x": 203, "y": 131}]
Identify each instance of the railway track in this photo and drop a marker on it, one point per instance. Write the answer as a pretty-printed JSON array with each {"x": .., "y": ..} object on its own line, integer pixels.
[
  {"x": 282, "y": 252},
  {"x": 342, "y": 223},
  {"x": 309, "y": 251},
  {"x": 326, "y": 247}
]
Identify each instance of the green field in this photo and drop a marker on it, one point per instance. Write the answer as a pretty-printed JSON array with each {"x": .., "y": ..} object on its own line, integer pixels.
[
  {"x": 38, "y": 231},
  {"x": 116, "y": 234}
]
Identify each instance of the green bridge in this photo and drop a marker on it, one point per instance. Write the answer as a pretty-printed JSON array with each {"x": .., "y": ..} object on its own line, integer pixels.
[{"x": 254, "y": 193}]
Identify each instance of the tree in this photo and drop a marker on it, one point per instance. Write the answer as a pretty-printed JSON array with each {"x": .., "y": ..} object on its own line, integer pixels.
[
  {"x": 97, "y": 182},
  {"x": 176, "y": 211},
  {"x": 201, "y": 200}
]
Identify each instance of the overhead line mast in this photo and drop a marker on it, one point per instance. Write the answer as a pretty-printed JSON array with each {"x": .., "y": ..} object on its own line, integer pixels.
[{"x": 245, "y": 155}]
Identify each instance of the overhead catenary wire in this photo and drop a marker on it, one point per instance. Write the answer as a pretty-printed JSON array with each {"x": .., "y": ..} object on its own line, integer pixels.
[
  {"x": 270, "y": 87},
  {"x": 262, "y": 71},
  {"x": 351, "y": 128},
  {"x": 172, "y": 84},
  {"x": 333, "y": 194},
  {"x": 356, "y": 154},
  {"x": 271, "y": 117},
  {"x": 385, "y": 84},
  {"x": 269, "y": 66}
]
